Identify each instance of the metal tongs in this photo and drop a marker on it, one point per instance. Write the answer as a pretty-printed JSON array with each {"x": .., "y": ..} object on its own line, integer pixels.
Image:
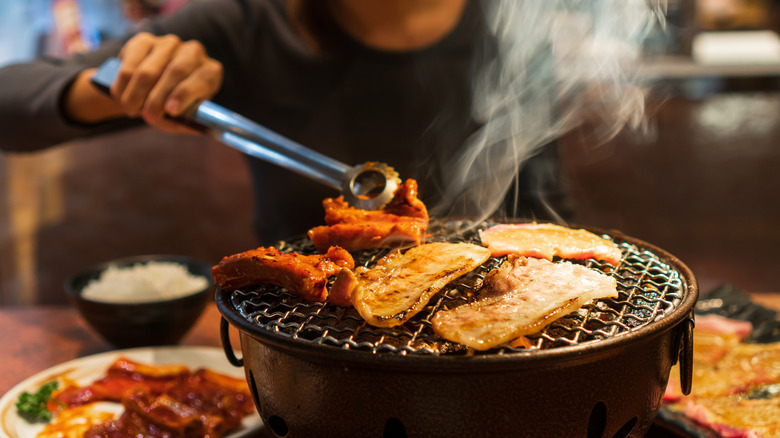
[{"x": 367, "y": 186}]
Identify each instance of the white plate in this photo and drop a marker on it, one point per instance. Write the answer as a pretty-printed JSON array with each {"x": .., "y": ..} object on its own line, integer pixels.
[{"x": 85, "y": 370}]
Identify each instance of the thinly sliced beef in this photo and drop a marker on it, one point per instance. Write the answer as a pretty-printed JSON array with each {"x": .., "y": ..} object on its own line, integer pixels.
[
  {"x": 547, "y": 241},
  {"x": 520, "y": 298}
]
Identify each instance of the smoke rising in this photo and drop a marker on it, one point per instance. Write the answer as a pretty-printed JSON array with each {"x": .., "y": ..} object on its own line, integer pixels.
[{"x": 550, "y": 66}]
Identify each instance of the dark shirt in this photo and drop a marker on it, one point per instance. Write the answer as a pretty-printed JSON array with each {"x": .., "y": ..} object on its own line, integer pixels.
[{"x": 354, "y": 103}]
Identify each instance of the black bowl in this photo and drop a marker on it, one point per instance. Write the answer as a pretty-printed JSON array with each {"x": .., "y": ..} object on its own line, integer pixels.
[{"x": 149, "y": 323}]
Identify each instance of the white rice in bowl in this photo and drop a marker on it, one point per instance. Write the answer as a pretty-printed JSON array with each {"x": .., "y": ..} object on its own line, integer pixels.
[{"x": 143, "y": 282}]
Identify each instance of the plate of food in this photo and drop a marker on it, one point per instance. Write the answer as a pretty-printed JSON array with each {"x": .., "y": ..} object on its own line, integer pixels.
[
  {"x": 736, "y": 377},
  {"x": 193, "y": 391}
]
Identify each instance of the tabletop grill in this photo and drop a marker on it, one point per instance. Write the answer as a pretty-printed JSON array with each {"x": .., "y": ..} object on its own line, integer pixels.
[{"x": 649, "y": 289}]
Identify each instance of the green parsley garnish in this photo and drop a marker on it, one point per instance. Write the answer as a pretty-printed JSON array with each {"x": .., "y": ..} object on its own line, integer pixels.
[{"x": 32, "y": 407}]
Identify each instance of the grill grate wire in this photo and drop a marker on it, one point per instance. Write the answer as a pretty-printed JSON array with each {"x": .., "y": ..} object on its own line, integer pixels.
[{"x": 648, "y": 290}]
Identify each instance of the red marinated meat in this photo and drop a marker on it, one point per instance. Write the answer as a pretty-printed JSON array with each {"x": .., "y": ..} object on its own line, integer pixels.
[
  {"x": 303, "y": 275},
  {"x": 401, "y": 223},
  {"x": 122, "y": 377},
  {"x": 199, "y": 404}
]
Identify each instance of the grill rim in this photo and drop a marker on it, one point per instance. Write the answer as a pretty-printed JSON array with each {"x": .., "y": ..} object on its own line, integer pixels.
[{"x": 569, "y": 354}]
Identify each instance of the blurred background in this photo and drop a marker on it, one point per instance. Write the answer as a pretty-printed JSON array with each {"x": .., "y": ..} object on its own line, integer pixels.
[{"x": 703, "y": 181}]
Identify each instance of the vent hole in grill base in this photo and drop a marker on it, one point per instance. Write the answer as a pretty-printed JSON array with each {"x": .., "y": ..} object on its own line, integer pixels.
[
  {"x": 394, "y": 429},
  {"x": 597, "y": 421},
  {"x": 627, "y": 428},
  {"x": 278, "y": 426},
  {"x": 255, "y": 395}
]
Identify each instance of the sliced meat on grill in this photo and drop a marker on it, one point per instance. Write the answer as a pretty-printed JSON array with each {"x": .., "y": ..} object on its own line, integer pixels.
[
  {"x": 520, "y": 298},
  {"x": 303, "y": 275},
  {"x": 400, "y": 285},
  {"x": 401, "y": 223},
  {"x": 342, "y": 289},
  {"x": 547, "y": 241}
]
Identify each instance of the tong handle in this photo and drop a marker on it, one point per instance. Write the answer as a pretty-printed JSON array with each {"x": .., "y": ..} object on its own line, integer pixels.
[{"x": 247, "y": 136}]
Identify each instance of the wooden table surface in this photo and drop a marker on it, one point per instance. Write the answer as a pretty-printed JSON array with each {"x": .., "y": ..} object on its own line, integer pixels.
[{"x": 38, "y": 337}]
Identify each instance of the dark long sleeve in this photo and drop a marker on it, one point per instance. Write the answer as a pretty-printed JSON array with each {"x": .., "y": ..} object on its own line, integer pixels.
[
  {"x": 30, "y": 95},
  {"x": 31, "y": 116}
]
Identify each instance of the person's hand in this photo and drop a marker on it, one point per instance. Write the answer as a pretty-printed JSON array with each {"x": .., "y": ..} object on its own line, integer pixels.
[
  {"x": 158, "y": 76},
  {"x": 162, "y": 75}
]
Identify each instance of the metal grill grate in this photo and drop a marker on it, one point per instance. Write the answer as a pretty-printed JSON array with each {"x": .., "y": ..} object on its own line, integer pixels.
[{"x": 649, "y": 289}]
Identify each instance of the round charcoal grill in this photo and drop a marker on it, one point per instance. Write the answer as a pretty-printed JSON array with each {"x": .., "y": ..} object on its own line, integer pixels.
[{"x": 602, "y": 369}]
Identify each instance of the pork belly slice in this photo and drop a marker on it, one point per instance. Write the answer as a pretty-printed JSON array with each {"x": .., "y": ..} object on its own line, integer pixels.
[
  {"x": 520, "y": 298},
  {"x": 303, "y": 275},
  {"x": 548, "y": 240},
  {"x": 401, "y": 223},
  {"x": 400, "y": 285}
]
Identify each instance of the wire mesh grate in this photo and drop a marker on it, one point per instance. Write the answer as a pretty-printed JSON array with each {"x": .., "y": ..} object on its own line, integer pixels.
[{"x": 648, "y": 290}]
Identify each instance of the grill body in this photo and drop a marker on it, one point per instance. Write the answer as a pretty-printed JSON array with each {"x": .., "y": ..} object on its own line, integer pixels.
[
  {"x": 326, "y": 380},
  {"x": 614, "y": 393}
]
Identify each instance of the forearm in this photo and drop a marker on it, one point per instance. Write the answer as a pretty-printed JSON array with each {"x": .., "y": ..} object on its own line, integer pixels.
[
  {"x": 32, "y": 102},
  {"x": 44, "y": 103},
  {"x": 83, "y": 104}
]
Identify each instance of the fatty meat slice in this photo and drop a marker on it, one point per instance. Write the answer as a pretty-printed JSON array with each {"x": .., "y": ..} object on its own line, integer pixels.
[
  {"x": 743, "y": 367},
  {"x": 548, "y": 240},
  {"x": 400, "y": 285},
  {"x": 738, "y": 415},
  {"x": 520, "y": 298}
]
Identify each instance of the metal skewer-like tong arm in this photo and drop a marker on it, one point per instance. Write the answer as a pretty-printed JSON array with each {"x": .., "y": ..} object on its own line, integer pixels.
[{"x": 368, "y": 186}]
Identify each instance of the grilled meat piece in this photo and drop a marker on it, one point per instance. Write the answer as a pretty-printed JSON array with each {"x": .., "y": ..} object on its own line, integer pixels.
[
  {"x": 303, "y": 275},
  {"x": 715, "y": 337},
  {"x": 342, "y": 288},
  {"x": 202, "y": 403},
  {"x": 401, "y": 223},
  {"x": 400, "y": 285},
  {"x": 738, "y": 415},
  {"x": 548, "y": 240},
  {"x": 736, "y": 385},
  {"x": 123, "y": 377},
  {"x": 520, "y": 298},
  {"x": 743, "y": 367}
]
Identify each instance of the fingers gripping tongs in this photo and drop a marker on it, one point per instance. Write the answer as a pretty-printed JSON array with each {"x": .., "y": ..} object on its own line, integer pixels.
[{"x": 367, "y": 186}]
